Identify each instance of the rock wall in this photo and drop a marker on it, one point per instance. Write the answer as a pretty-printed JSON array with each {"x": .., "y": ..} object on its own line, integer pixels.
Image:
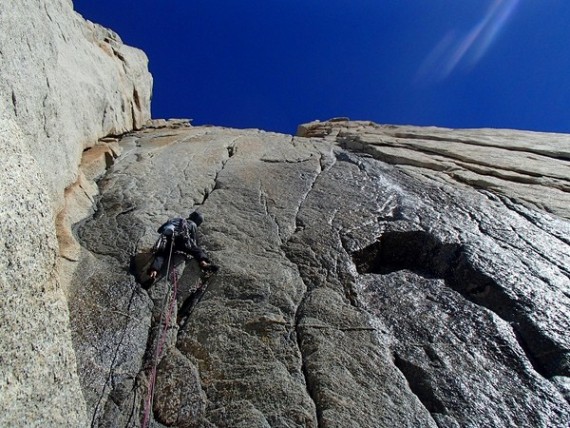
[
  {"x": 352, "y": 291},
  {"x": 65, "y": 83},
  {"x": 529, "y": 166},
  {"x": 370, "y": 275}
]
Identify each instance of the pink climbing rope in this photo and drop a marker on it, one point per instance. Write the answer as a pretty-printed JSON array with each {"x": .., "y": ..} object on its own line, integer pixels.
[{"x": 160, "y": 345}]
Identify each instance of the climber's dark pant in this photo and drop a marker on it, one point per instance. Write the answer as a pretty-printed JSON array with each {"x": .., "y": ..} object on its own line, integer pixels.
[{"x": 179, "y": 246}]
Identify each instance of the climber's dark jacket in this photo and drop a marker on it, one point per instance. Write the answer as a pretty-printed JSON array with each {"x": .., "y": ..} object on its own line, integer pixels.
[{"x": 184, "y": 233}]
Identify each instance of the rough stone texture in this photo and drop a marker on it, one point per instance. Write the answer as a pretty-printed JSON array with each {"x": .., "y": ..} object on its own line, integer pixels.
[
  {"x": 352, "y": 292},
  {"x": 64, "y": 83},
  {"x": 371, "y": 275},
  {"x": 67, "y": 82},
  {"x": 529, "y": 166},
  {"x": 38, "y": 380}
]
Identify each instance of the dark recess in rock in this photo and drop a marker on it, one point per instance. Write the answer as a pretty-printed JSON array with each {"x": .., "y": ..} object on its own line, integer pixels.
[
  {"x": 417, "y": 379},
  {"x": 420, "y": 252}
]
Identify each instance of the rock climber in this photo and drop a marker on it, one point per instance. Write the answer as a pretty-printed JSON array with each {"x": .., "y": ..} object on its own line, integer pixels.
[{"x": 180, "y": 234}]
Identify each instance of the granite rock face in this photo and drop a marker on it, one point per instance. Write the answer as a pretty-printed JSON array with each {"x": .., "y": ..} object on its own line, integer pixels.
[
  {"x": 352, "y": 292},
  {"x": 529, "y": 166},
  {"x": 65, "y": 83},
  {"x": 371, "y": 276}
]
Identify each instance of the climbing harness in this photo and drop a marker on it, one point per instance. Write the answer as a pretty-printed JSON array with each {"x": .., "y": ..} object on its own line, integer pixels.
[{"x": 170, "y": 301}]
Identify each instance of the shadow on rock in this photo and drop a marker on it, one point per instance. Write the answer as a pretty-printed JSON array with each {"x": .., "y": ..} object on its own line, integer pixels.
[
  {"x": 422, "y": 253},
  {"x": 139, "y": 266}
]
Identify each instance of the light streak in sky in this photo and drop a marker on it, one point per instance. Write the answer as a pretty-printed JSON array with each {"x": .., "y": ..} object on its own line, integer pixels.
[{"x": 469, "y": 49}]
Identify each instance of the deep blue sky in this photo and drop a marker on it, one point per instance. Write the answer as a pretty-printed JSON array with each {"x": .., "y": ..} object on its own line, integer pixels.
[{"x": 274, "y": 64}]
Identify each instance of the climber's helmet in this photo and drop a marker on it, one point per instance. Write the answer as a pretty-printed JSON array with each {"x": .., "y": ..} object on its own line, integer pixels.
[{"x": 196, "y": 217}]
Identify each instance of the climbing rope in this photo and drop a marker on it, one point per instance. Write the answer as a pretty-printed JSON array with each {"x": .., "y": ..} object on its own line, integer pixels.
[{"x": 170, "y": 301}]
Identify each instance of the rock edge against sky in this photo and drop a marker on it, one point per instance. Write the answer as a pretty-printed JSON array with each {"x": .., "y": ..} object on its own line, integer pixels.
[{"x": 370, "y": 273}]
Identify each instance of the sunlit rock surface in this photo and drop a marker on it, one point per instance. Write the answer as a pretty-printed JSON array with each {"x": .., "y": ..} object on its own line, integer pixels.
[
  {"x": 67, "y": 82},
  {"x": 64, "y": 83},
  {"x": 371, "y": 276},
  {"x": 354, "y": 290},
  {"x": 532, "y": 167}
]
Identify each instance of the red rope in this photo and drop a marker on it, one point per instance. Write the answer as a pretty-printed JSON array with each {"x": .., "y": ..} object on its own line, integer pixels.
[{"x": 159, "y": 349}]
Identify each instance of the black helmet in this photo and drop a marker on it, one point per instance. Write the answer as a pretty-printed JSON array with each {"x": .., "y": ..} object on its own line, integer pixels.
[{"x": 196, "y": 217}]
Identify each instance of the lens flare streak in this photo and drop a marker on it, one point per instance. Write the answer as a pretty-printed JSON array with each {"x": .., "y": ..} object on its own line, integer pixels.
[{"x": 468, "y": 50}]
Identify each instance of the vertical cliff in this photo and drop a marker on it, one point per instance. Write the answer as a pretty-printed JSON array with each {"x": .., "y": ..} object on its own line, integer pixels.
[
  {"x": 65, "y": 83},
  {"x": 353, "y": 291},
  {"x": 370, "y": 275}
]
